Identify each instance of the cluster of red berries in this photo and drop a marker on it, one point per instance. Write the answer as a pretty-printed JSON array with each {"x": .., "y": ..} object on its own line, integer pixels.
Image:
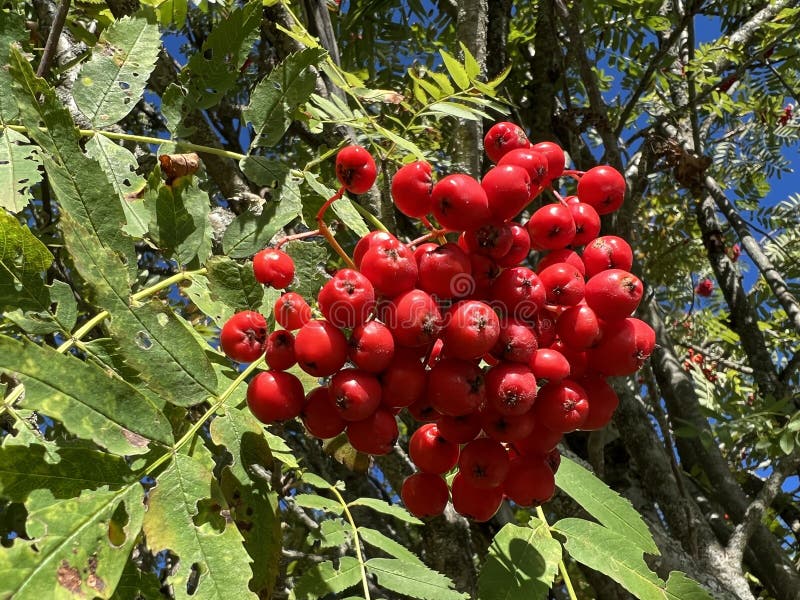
[
  {"x": 709, "y": 371},
  {"x": 704, "y": 288},
  {"x": 498, "y": 359}
]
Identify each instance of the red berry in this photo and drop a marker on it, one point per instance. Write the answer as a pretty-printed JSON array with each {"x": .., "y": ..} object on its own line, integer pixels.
[
  {"x": 424, "y": 494},
  {"x": 376, "y": 434},
  {"x": 320, "y": 416},
  {"x": 243, "y": 336},
  {"x": 274, "y": 268},
  {"x": 518, "y": 293},
  {"x": 355, "y": 169},
  {"x": 411, "y": 189},
  {"x": 348, "y": 299},
  {"x": 320, "y": 348},
  {"x": 460, "y": 203},
  {"x": 516, "y": 343},
  {"x": 371, "y": 239},
  {"x": 510, "y": 388},
  {"x": 390, "y": 268},
  {"x": 274, "y": 396},
  {"x": 520, "y": 246},
  {"x": 279, "y": 353},
  {"x": 530, "y": 481},
  {"x": 423, "y": 411},
  {"x": 577, "y": 359},
  {"x": 471, "y": 330},
  {"x": 405, "y": 380},
  {"x": 539, "y": 442},
  {"x": 623, "y": 348},
  {"x": 292, "y": 311},
  {"x": 603, "y": 401},
  {"x": 456, "y": 387},
  {"x": 371, "y": 347},
  {"x": 355, "y": 393},
  {"x": 413, "y": 318},
  {"x": 614, "y": 294},
  {"x": 508, "y": 191},
  {"x": 562, "y": 255},
  {"x": 551, "y": 227},
  {"x": 705, "y": 288},
  {"x": 555, "y": 158},
  {"x": 563, "y": 284},
  {"x": 535, "y": 163},
  {"x": 430, "y": 451},
  {"x": 492, "y": 240},
  {"x": 562, "y": 406},
  {"x": 444, "y": 271},
  {"x": 476, "y": 503},
  {"x": 587, "y": 223},
  {"x": 502, "y": 138},
  {"x": 506, "y": 428},
  {"x": 549, "y": 364},
  {"x": 607, "y": 252},
  {"x": 484, "y": 272},
  {"x": 578, "y": 327},
  {"x": 603, "y": 188},
  {"x": 484, "y": 463},
  {"x": 460, "y": 429}
]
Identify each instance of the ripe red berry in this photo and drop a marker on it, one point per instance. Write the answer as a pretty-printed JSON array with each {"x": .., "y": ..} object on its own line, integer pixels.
[
  {"x": 243, "y": 336},
  {"x": 520, "y": 247},
  {"x": 460, "y": 429},
  {"x": 551, "y": 227},
  {"x": 484, "y": 463},
  {"x": 348, "y": 299},
  {"x": 535, "y": 163},
  {"x": 506, "y": 428},
  {"x": 539, "y": 442},
  {"x": 623, "y": 348},
  {"x": 603, "y": 188},
  {"x": 279, "y": 353},
  {"x": 603, "y": 401},
  {"x": 320, "y": 416},
  {"x": 530, "y": 481},
  {"x": 371, "y": 239},
  {"x": 563, "y": 284},
  {"x": 274, "y": 396},
  {"x": 471, "y": 330},
  {"x": 273, "y": 267},
  {"x": 355, "y": 169},
  {"x": 587, "y": 223},
  {"x": 704, "y": 288},
  {"x": 456, "y": 387},
  {"x": 371, "y": 347},
  {"x": 320, "y": 348},
  {"x": 578, "y": 359},
  {"x": 423, "y": 411},
  {"x": 549, "y": 364},
  {"x": 425, "y": 494},
  {"x": 291, "y": 311},
  {"x": 562, "y": 406},
  {"x": 460, "y": 203},
  {"x": 502, "y": 138},
  {"x": 555, "y": 158},
  {"x": 578, "y": 327},
  {"x": 430, "y": 451},
  {"x": 484, "y": 273},
  {"x": 518, "y": 293},
  {"x": 442, "y": 269},
  {"x": 510, "y": 388},
  {"x": 492, "y": 240},
  {"x": 562, "y": 255},
  {"x": 607, "y": 252},
  {"x": 476, "y": 503},
  {"x": 411, "y": 189},
  {"x": 376, "y": 434},
  {"x": 355, "y": 393},
  {"x": 508, "y": 191},
  {"x": 613, "y": 294},
  {"x": 413, "y": 318},
  {"x": 405, "y": 380},
  {"x": 516, "y": 343},
  {"x": 390, "y": 268}
]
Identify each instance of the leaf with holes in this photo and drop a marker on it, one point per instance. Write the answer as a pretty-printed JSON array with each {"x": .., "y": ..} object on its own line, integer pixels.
[
  {"x": 19, "y": 170},
  {"x": 23, "y": 261},
  {"x": 111, "y": 83}
]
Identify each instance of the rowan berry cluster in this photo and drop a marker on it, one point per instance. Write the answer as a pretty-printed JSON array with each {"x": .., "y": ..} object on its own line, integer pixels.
[{"x": 497, "y": 359}]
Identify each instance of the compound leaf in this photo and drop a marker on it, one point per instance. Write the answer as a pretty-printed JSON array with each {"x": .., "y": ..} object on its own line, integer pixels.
[
  {"x": 413, "y": 580},
  {"x": 19, "y": 170}
]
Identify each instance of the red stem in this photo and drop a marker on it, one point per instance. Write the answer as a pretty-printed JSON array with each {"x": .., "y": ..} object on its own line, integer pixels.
[
  {"x": 428, "y": 236},
  {"x": 327, "y": 234},
  {"x": 297, "y": 236}
]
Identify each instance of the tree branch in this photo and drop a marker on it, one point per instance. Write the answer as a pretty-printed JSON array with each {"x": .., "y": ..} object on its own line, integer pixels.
[{"x": 52, "y": 39}]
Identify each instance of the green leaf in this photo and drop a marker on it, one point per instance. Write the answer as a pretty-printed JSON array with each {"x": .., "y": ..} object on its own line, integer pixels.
[
  {"x": 119, "y": 164},
  {"x": 275, "y": 174},
  {"x": 680, "y": 586},
  {"x": 91, "y": 404},
  {"x": 19, "y": 170},
  {"x": 382, "y": 542},
  {"x": 309, "y": 259},
  {"x": 12, "y": 29},
  {"x": 135, "y": 584},
  {"x": 211, "y": 545},
  {"x": 199, "y": 293},
  {"x": 332, "y": 533},
  {"x": 786, "y": 442},
  {"x": 234, "y": 284},
  {"x": 343, "y": 207},
  {"x": 24, "y": 469},
  {"x": 398, "y": 512},
  {"x": 78, "y": 546},
  {"x": 460, "y": 111},
  {"x": 44, "y": 322},
  {"x": 456, "y": 70},
  {"x": 111, "y": 83},
  {"x": 315, "y": 480},
  {"x": 470, "y": 64},
  {"x": 287, "y": 86},
  {"x": 522, "y": 563},
  {"x": 318, "y": 503},
  {"x": 604, "y": 504},
  {"x": 23, "y": 260},
  {"x": 249, "y": 233},
  {"x": 215, "y": 69},
  {"x": 323, "y": 579},
  {"x": 280, "y": 450},
  {"x": 410, "y": 579},
  {"x": 613, "y": 555}
]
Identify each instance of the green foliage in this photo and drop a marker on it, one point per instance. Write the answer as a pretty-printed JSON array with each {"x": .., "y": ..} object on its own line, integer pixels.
[{"x": 19, "y": 170}]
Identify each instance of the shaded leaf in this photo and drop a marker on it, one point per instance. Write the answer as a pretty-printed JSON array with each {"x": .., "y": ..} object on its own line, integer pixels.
[
  {"x": 375, "y": 538},
  {"x": 309, "y": 259},
  {"x": 23, "y": 261},
  {"x": 413, "y": 580},
  {"x": 249, "y": 233},
  {"x": 323, "y": 579},
  {"x": 234, "y": 284},
  {"x": 318, "y": 503},
  {"x": 12, "y": 29},
  {"x": 680, "y": 586},
  {"x": 41, "y": 322},
  {"x": 275, "y": 174},
  {"x": 393, "y": 510},
  {"x": 19, "y": 170}
]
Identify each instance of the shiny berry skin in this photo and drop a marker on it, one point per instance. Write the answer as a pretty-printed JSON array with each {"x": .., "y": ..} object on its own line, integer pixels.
[
  {"x": 405, "y": 380},
  {"x": 475, "y": 503},
  {"x": 607, "y": 252},
  {"x": 274, "y": 268},
  {"x": 506, "y": 428},
  {"x": 456, "y": 387},
  {"x": 516, "y": 343},
  {"x": 551, "y": 227},
  {"x": 518, "y": 293},
  {"x": 430, "y": 451},
  {"x": 414, "y": 319},
  {"x": 502, "y": 138},
  {"x": 423, "y": 411},
  {"x": 508, "y": 191},
  {"x": 320, "y": 416},
  {"x": 320, "y": 348},
  {"x": 562, "y": 406},
  {"x": 562, "y": 255},
  {"x": 578, "y": 327},
  {"x": 535, "y": 163},
  {"x": 549, "y": 364},
  {"x": 373, "y": 238},
  {"x": 390, "y": 268},
  {"x": 603, "y": 401},
  {"x": 371, "y": 347},
  {"x": 483, "y": 463},
  {"x": 376, "y": 434},
  {"x": 441, "y": 270},
  {"x": 492, "y": 240},
  {"x": 510, "y": 388},
  {"x": 530, "y": 481},
  {"x": 485, "y": 272},
  {"x": 279, "y": 353},
  {"x": 355, "y": 169},
  {"x": 556, "y": 160},
  {"x": 539, "y": 442},
  {"x": 424, "y": 494},
  {"x": 623, "y": 348},
  {"x": 614, "y": 294},
  {"x": 460, "y": 203},
  {"x": 563, "y": 284},
  {"x": 347, "y": 300},
  {"x": 243, "y": 336},
  {"x": 520, "y": 247},
  {"x": 578, "y": 359},
  {"x": 461, "y": 429},
  {"x": 411, "y": 189},
  {"x": 291, "y": 311},
  {"x": 603, "y": 188},
  {"x": 471, "y": 330},
  {"x": 587, "y": 223},
  {"x": 275, "y": 396},
  {"x": 355, "y": 393}
]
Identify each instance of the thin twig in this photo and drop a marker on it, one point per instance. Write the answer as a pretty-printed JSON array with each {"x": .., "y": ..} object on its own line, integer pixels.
[{"x": 52, "y": 39}]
